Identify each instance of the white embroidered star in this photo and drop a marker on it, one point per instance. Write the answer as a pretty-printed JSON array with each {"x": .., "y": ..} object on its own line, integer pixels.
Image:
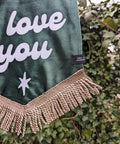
[{"x": 24, "y": 83}]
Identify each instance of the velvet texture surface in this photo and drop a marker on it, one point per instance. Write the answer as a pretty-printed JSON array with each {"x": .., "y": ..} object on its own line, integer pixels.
[{"x": 27, "y": 26}]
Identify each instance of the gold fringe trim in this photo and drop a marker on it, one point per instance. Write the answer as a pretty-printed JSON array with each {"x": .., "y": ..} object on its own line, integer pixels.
[{"x": 49, "y": 106}]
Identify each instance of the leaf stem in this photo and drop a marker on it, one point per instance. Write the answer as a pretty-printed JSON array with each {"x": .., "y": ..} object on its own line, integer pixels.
[
  {"x": 89, "y": 48},
  {"x": 71, "y": 117},
  {"x": 77, "y": 130},
  {"x": 90, "y": 2},
  {"x": 117, "y": 32}
]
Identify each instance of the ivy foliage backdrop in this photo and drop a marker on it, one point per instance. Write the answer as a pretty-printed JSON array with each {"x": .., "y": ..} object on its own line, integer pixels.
[{"x": 96, "y": 121}]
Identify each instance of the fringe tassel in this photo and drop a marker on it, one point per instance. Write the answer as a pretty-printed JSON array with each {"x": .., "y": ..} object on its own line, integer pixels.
[{"x": 46, "y": 108}]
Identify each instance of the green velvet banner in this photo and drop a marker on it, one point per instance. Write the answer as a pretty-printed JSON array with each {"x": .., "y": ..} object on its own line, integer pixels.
[
  {"x": 41, "y": 63},
  {"x": 37, "y": 40}
]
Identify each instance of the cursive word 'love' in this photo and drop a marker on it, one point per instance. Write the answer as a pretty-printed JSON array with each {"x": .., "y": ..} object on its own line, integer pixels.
[{"x": 25, "y": 25}]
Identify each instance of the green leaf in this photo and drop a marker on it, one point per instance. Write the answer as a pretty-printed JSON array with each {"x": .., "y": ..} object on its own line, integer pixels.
[
  {"x": 40, "y": 137},
  {"x": 61, "y": 135},
  {"x": 117, "y": 37},
  {"x": 106, "y": 43},
  {"x": 85, "y": 118},
  {"x": 83, "y": 3},
  {"x": 95, "y": 124},
  {"x": 49, "y": 140},
  {"x": 113, "y": 25},
  {"x": 58, "y": 123},
  {"x": 113, "y": 134},
  {"x": 109, "y": 35},
  {"x": 106, "y": 20},
  {"x": 54, "y": 134},
  {"x": 87, "y": 133},
  {"x": 80, "y": 112},
  {"x": 48, "y": 131},
  {"x": 84, "y": 105}
]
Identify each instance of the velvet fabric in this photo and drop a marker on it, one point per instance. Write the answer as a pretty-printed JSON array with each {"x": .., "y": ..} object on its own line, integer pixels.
[{"x": 37, "y": 40}]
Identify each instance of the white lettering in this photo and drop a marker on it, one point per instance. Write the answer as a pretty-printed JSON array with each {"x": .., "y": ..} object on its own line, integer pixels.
[
  {"x": 21, "y": 53},
  {"x": 56, "y": 22},
  {"x": 44, "y": 53},
  {"x": 21, "y": 29},
  {"x": 5, "y": 58},
  {"x": 10, "y": 29},
  {"x": 38, "y": 28}
]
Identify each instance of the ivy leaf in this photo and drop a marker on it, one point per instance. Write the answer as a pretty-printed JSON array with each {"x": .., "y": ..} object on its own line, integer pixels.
[
  {"x": 40, "y": 137},
  {"x": 117, "y": 37},
  {"x": 106, "y": 43},
  {"x": 85, "y": 118},
  {"x": 80, "y": 112},
  {"x": 58, "y": 123},
  {"x": 109, "y": 35},
  {"x": 84, "y": 105},
  {"x": 54, "y": 134},
  {"x": 83, "y": 3},
  {"x": 61, "y": 135},
  {"x": 49, "y": 140},
  {"x": 87, "y": 133},
  {"x": 106, "y": 20}
]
